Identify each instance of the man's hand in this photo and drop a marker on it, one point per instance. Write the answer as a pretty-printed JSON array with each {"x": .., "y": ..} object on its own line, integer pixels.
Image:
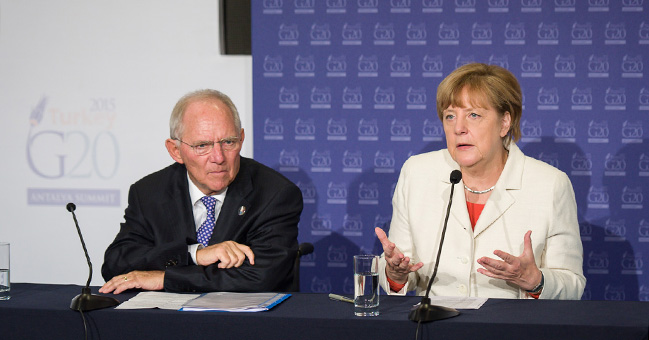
[
  {"x": 229, "y": 254},
  {"x": 147, "y": 280},
  {"x": 521, "y": 271},
  {"x": 398, "y": 265}
]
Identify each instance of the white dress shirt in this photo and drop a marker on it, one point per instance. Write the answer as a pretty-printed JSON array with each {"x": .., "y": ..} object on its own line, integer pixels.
[{"x": 200, "y": 212}]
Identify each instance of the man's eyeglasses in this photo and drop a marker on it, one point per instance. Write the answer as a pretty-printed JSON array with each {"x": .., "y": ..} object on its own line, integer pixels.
[{"x": 203, "y": 148}]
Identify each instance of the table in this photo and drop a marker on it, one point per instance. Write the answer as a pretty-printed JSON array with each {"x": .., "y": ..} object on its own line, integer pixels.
[{"x": 41, "y": 311}]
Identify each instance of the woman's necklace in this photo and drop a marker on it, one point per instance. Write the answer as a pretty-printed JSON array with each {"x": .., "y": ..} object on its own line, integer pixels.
[
  {"x": 486, "y": 190},
  {"x": 478, "y": 192}
]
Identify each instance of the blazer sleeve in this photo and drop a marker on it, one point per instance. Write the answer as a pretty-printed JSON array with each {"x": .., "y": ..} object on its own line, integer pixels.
[
  {"x": 400, "y": 233},
  {"x": 272, "y": 238},
  {"x": 145, "y": 241},
  {"x": 562, "y": 260}
]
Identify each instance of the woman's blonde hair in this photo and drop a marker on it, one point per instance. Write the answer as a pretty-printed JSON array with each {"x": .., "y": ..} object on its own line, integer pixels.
[{"x": 491, "y": 86}]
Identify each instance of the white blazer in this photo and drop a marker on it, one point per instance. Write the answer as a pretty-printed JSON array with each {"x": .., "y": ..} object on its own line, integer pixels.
[{"x": 529, "y": 195}]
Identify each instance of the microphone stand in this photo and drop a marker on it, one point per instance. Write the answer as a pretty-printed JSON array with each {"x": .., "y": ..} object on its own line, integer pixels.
[
  {"x": 86, "y": 301},
  {"x": 425, "y": 311}
]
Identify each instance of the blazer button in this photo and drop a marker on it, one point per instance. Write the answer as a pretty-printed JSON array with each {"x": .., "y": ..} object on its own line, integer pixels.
[{"x": 171, "y": 263}]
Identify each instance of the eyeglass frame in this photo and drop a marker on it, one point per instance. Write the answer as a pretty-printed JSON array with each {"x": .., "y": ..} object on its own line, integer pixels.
[{"x": 210, "y": 145}]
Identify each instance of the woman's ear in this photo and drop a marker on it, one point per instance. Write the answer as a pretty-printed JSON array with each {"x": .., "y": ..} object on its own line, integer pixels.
[{"x": 506, "y": 123}]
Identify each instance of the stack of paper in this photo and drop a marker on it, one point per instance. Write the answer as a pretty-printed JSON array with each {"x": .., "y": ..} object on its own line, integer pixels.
[
  {"x": 235, "y": 302},
  {"x": 215, "y": 302},
  {"x": 160, "y": 300}
]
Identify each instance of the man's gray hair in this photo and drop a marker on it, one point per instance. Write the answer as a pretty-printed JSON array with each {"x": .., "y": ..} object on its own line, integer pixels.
[{"x": 176, "y": 121}]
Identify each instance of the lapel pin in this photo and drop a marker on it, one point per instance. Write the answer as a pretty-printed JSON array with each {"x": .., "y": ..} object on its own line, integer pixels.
[{"x": 242, "y": 210}]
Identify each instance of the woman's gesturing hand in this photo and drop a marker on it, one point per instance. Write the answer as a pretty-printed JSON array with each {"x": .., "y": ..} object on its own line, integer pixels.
[{"x": 398, "y": 265}]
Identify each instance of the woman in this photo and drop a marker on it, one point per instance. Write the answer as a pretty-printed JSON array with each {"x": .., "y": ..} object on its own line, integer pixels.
[{"x": 513, "y": 229}]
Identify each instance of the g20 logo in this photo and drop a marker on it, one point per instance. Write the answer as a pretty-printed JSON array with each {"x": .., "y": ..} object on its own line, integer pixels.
[
  {"x": 432, "y": 63},
  {"x": 581, "y": 162},
  {"x": 481, "y": 31},
  {"x": 90, "y": 156},
  {"x": 273, "y": 63},
  {"x": 448, "y": 31},
  {"x": 416, "y": 32},
  {"x": 384, "y": 32},
  {"x": 548, "y": 31},
  {"x": 74, "y": 153},
  {"x": 514, "y": 31},
  {"x": 352, "y": 32},
  {"x": 582, "y": 31},
  {"x": 320, "y": 285},
  {"x": 531, "y": 63}
]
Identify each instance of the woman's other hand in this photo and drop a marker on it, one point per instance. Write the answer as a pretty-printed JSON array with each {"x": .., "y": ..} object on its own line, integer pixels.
[{"x": 519, "y": 270}]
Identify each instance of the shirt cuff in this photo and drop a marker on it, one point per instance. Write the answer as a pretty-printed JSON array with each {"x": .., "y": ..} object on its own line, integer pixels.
[
  {"x": 395, "y": 287},
  {"x": 192, "y": 249}
]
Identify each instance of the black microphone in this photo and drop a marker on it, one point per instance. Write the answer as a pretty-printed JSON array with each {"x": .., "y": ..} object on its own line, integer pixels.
[
  {"x": 305, "y": 249},
  {"x": 426, "y": 312},
  {"x": 86, "y": 301}
]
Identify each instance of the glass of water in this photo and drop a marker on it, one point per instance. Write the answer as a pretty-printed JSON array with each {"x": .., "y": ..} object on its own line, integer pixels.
[
  {"x": 366, "y": 285},
  {"x": 4, "y": 271}
]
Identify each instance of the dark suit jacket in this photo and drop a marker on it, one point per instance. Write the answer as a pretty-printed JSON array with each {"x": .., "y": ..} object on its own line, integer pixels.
[{"x": 159, "y": 225}]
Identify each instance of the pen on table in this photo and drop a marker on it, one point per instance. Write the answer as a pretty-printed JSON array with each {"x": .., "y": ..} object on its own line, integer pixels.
[{"x": 340, "y": 298}]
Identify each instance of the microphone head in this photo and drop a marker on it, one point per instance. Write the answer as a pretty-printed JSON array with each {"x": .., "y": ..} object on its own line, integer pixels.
[
  {"x": 306, "y": 248},
  {"x": 71, "y": 207},
  {"x": 456, "y": 176}
]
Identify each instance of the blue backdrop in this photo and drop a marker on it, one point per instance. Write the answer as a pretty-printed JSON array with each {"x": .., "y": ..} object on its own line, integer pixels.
[{"x": 344, "y": 92}]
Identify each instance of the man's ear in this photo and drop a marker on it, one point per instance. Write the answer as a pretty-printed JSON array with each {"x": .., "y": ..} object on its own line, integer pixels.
[{"x": 173, "y": 148}]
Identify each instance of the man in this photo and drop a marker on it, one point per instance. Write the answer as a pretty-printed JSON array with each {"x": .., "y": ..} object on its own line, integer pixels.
[{"x": 212, "y": 221}]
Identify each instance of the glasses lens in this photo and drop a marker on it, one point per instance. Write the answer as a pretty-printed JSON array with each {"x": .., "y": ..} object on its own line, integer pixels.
[
  {"x": 229, "y": 144},
  {"x": 203, "y": 149}
]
